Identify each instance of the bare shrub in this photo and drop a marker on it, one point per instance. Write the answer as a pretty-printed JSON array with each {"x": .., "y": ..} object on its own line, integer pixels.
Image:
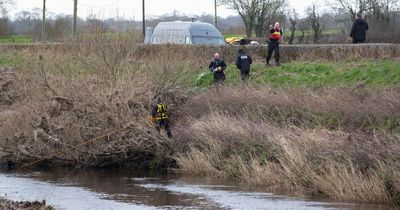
[{"x": 87, "y": 104}]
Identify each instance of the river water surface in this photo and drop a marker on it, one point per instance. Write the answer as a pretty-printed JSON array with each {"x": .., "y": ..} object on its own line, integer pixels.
[{"x": 116, "y": 189}]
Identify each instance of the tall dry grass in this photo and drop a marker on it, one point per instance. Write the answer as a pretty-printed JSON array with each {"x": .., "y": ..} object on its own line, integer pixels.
[{"x": 277, "y": 139}]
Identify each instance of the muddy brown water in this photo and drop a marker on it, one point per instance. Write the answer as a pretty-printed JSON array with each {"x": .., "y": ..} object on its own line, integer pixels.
[{"x": 121, "y": 189}]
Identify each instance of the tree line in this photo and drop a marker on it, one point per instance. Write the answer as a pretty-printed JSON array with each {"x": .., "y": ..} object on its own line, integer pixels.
[
  {"x": 253, "y": 18},
  {"x": 257, "y": 15}
]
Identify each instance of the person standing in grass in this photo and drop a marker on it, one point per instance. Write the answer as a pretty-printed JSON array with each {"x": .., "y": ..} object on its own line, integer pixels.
[
  {"x": 243, "y": 62},
  {"x": 217, "y": 67},
  {"x": 275, "y": 38},
  {"x": 359, "y": 30}
]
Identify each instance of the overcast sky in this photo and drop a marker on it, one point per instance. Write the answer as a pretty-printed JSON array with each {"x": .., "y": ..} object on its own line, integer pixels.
[{"x": 132, "y": 8}]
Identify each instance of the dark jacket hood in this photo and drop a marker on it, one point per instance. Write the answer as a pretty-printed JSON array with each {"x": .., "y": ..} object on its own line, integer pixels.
[{"x": 360, "y": 21}]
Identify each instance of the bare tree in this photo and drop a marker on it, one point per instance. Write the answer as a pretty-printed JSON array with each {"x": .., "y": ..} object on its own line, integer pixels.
[
  {"x": 313, "y": 17},
  {"x": 256, "y": 14},
  {"x": 94, "y": 25},
  {"x": 26, "y": 23},
  {"x": 352, "y": 7},
  {"x": 62, "y": 26},
  {"x": 303, "y": 26},
  {"x": 293, "y": 19},
  {"x": 267, "y": 13},
  {"x": 6, "y": 27},
  {"x": 247, "y": 10},
  {"x": 381, "y": 9},
  {"x": 5, "y": 6}
]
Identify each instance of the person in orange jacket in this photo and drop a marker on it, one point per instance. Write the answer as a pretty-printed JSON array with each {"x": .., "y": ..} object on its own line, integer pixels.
[{"x": 275, "y": 38}]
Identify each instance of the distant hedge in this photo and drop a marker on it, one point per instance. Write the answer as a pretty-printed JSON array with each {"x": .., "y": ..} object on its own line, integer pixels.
[{"x": 329, "y": 52}]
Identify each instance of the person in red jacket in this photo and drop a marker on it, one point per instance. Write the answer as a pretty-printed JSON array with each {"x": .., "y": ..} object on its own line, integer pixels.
[{"x": 275, "y": 38}]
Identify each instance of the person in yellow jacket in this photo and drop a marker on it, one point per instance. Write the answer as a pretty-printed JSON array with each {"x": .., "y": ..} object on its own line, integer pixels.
[{"x": 159, "y": 113}]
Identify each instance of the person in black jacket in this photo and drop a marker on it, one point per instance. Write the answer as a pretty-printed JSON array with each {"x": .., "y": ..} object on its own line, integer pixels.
[
  {"x": 218, "y": 66},
  {"x": 359, "y": 30},
  {"x": 243, "y": 62}
]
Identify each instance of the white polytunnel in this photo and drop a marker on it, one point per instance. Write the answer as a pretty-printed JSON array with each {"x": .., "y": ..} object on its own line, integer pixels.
[{"x": 178, "y": 32}]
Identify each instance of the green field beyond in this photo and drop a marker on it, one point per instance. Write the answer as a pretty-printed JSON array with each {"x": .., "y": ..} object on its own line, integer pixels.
[
  {"x": 16, "y": 39},
  {"x": 312, "y": 74}
]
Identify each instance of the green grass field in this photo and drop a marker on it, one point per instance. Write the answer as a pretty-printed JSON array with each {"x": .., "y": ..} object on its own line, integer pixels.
[
  {"x": 313, "y": 74},
  {"x": 10, "y": 60},
  {"x": 372, "y": 73},
  {"x": 310, "y": 32},
  {"x": 232, "y": 35},
  {"x": 16, "y": 39},
  {"x": 286, "y": 33}
]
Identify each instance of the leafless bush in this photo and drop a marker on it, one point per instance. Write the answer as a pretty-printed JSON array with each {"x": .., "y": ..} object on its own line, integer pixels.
[
  {"x": 376, "y": 28},
  {"x": 87, "y": 104}
]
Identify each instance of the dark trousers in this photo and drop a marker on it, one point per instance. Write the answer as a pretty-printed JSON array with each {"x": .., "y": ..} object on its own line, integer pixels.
[
  {"x": 357, "y": 41},
  {"x": 273, "y": 46},
  {"x": 245, "y": 75},
  {"x": 219, "y": 79},
  {"x": 163, "y": 124}
]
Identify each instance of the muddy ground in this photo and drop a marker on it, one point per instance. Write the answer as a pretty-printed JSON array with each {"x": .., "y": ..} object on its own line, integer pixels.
[{"x": 24, "y": 205}]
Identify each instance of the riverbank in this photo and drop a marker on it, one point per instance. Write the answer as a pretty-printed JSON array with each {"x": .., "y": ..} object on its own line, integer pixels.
[
  {"x": 13, "y": 205},
  {"x": 306, "y": 127}
]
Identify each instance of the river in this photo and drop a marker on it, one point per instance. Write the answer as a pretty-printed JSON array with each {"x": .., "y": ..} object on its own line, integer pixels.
[{"x": 122, "y": 189}]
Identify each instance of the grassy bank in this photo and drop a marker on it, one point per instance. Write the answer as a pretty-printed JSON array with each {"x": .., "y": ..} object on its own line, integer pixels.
[
  {"x": 372, "y": 73},
  {"x": 368, "y": 72},
  {"x": 307, "y": 127},
  {"x": 10, "y": 60}
]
